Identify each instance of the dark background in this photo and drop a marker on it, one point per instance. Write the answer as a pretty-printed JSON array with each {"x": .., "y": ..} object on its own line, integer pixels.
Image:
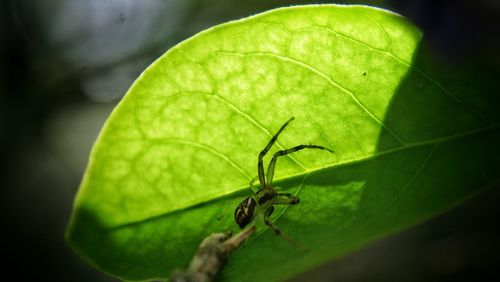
[{"x": 64, "y": 65}]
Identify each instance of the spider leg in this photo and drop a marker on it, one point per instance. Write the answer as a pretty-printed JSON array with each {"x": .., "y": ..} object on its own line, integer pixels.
[
  {"x": 272, "y": 164},
  {"x": 286, "y": 199},
  {"x": 277, "y": 231},
  {"x": 260, "y": 166},
  {"x": 267, "y": 220},
  {"x": 254, "y": 189}
]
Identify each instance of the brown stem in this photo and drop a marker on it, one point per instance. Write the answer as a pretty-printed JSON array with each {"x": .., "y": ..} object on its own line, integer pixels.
[{"x": 211, "y": 256}]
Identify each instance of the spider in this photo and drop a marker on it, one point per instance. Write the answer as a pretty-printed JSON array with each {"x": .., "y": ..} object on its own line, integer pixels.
[{"x": 266, "y": 197}]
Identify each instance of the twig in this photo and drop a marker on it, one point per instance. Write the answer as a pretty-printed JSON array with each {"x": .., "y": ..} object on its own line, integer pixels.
[{"x": 211, "y": 256}]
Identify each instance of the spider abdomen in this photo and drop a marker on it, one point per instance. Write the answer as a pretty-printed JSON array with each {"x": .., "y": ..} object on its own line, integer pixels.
[{"x": 245, "y": 212}]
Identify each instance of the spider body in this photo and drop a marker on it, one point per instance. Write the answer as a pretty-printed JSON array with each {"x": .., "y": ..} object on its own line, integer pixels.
[
  {"x": 246, "y": 211},
  {"x": 266, "y": 197}
]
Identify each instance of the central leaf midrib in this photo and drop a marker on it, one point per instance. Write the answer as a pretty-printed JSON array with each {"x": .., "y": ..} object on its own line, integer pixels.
[{"x": 309, "y": 171}]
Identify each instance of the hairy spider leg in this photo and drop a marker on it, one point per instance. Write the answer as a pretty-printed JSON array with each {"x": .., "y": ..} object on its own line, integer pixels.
[
  {"x": 272, "y": 164},
  {"x": 260, "y": 166}
]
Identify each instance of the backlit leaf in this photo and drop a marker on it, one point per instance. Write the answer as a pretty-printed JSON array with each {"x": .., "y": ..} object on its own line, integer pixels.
[{"x": 174, "y": 159}]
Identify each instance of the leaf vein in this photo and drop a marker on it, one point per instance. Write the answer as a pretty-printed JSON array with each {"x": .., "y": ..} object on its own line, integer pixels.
[
  {"x": 246, "y": 115},
  {"x": 204, "y": 147},
  {"x": 329, "y": 79},
  {"x": 412, "y": 178},
  {"x": 259, "y": 125},
  {"x": 433, "y": 81},
  {"x": 228, "y": 104}
]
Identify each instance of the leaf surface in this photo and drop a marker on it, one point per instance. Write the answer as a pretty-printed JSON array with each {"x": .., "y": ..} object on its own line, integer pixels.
[{"x": 174, "y": 159}]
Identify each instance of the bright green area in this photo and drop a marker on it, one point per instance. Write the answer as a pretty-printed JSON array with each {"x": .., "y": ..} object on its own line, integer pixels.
[{"x": 175, "y": 158}]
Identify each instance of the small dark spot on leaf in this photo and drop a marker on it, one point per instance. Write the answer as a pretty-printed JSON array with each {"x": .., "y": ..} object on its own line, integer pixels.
[{"x": 364, "y": 74}]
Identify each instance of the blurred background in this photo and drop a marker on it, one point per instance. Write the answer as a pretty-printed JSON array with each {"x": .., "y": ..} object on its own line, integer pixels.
[{"x": 64, "y": 64}]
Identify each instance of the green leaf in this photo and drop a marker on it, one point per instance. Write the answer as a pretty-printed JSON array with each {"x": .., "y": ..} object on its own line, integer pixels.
[{"x": 173, "y": 161}]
